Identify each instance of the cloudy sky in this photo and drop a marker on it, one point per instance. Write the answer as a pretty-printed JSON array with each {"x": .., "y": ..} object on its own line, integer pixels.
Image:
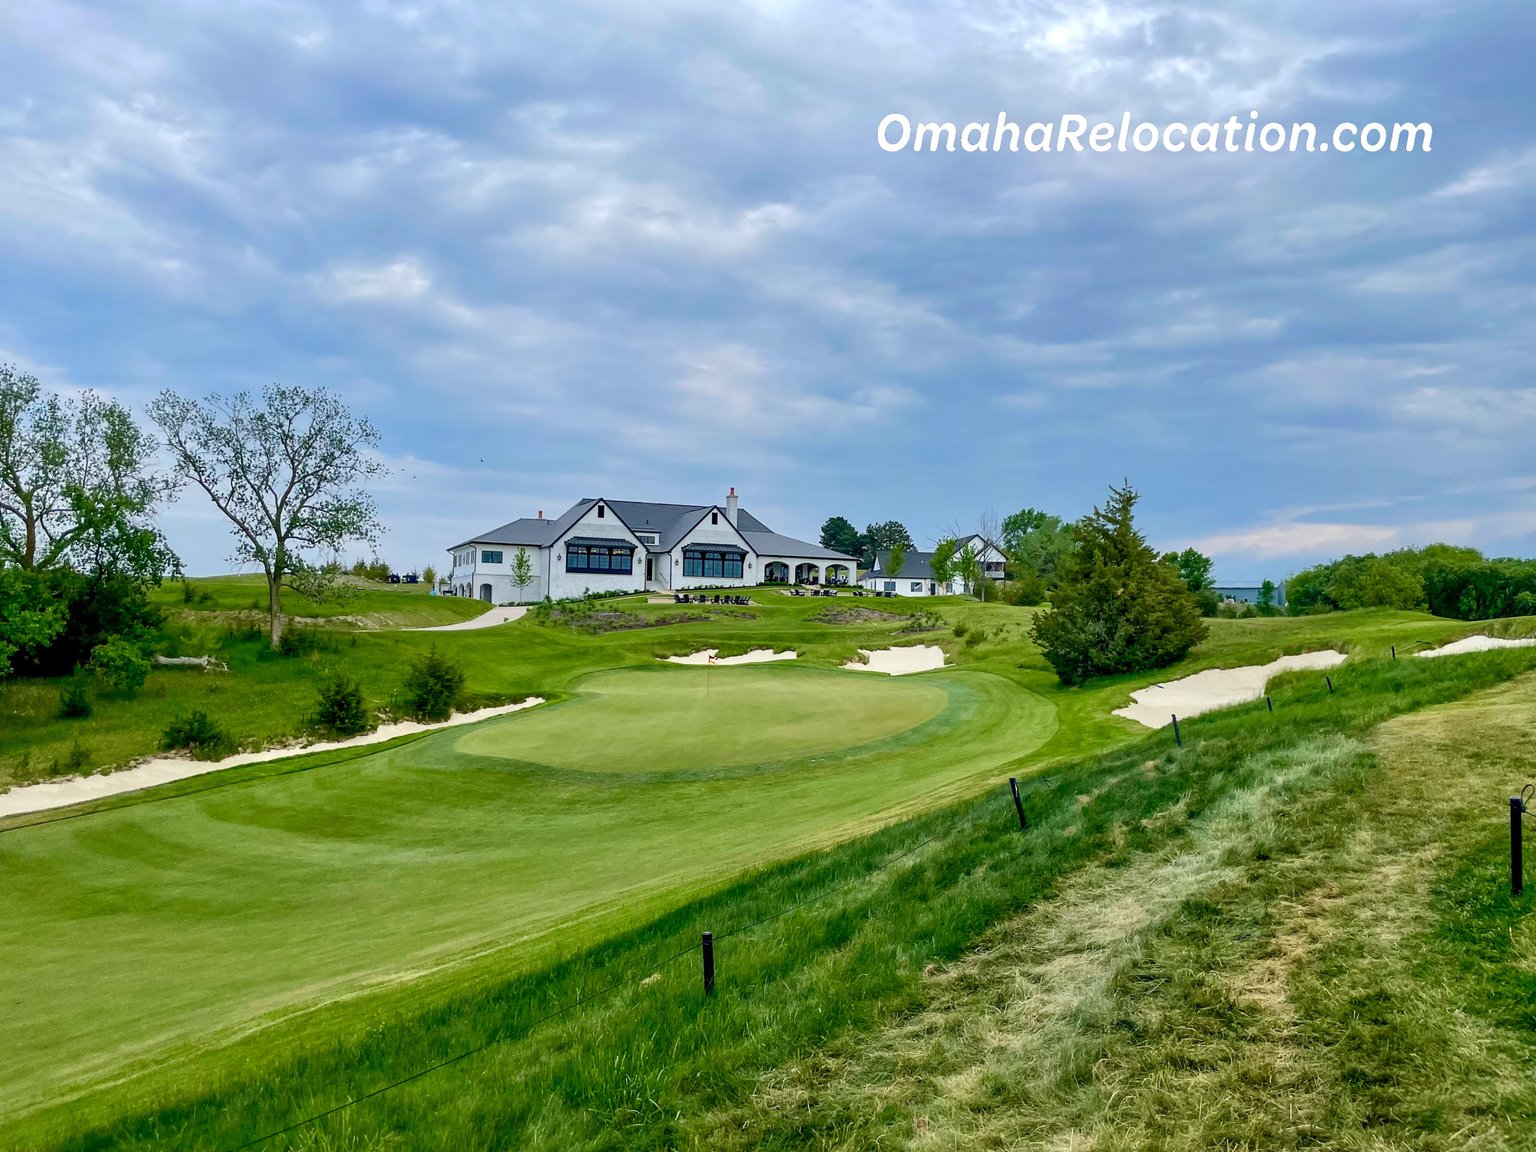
[{"x": 651, "y": 250}]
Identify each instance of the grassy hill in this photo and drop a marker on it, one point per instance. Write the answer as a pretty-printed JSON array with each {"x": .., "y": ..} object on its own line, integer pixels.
[{"x": 284, "y": 936}]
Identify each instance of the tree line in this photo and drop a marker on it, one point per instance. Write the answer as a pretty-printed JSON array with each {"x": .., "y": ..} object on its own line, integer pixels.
[{"x": 1445, "y": 579}]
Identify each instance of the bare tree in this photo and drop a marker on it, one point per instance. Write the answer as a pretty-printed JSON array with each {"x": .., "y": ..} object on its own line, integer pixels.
[{"x": 284, "y": 473}]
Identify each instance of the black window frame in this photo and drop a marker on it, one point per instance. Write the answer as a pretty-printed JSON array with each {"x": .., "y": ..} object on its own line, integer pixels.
[
  {"x": 487, "y": 553},
  {"x": 702, "y": 562},
  {"x": 616, "y": 559}
]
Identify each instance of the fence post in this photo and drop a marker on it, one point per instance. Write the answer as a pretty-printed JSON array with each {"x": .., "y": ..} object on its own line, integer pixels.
[
  {"x": 1177, "y": 739},
  {"x": 1270, "y": 702},
  {"x": 1330, "y": 683},
  {"x": 1394, "y": 651},
  {"x": 709, "y": 963},
  {"x": 1516, "y": 863},
  {"x": 1018, "y": 802}
]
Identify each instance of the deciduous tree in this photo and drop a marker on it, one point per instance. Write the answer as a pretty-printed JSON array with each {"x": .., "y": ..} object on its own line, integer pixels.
[
  {"x": 942, "y": 564},
  {"x": 78, "y": 485},
  {"x": 522, "y": 572},
  {"x": 286, "y": 472}
]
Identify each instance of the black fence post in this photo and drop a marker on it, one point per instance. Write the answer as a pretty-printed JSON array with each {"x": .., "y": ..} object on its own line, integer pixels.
[
  {"x": 1394, "y": 651},
  {"x": 1270, "y": 702},
  {"x": 1330, "y": 683},
  {"x": 1516, "y": 863},
  {"x": 709, "y": 963},
  {"x": 1018, "y": 801},
  {"x": 1177, "y": 739}
]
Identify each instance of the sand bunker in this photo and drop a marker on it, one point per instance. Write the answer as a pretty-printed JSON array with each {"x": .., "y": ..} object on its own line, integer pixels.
[
  {"x": 1216, "y": 688},
  {"x": 712, "y": 656},
  {"x": 899, "y": 661},
  {"x": 163, "y": 770},
  {"x": 1477, "y": 643}
]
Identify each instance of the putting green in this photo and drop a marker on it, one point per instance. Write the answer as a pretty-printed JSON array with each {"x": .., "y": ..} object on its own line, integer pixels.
[
  {"x": 187, "y": 922},
  {"x": 699, "y": 719}
]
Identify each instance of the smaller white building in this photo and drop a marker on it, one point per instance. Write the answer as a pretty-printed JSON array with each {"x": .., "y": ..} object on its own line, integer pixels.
[{"x": 916, "y": 578}]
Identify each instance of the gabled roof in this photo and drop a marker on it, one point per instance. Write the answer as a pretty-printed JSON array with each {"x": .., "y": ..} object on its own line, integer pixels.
[
  {"x": 670, "y": 523},
  {"x": 917, "y": 566}
]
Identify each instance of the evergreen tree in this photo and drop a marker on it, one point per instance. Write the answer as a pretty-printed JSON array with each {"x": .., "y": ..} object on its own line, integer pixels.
[
  {"x": 1117, "y": 608},
  {"x": 839, "y": 534}
]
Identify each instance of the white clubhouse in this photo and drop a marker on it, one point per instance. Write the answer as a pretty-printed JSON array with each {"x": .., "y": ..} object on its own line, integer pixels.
[{"x": 600, "y": 545}]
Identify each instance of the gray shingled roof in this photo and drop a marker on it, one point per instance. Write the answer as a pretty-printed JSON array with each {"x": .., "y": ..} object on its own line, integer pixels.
[
  {"x": 767, "y": 543},
  {"x": 670, "y": 522},
  {"x": 917, "y": 566}
]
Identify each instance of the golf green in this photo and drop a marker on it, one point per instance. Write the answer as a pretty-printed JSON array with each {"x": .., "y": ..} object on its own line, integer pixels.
[
  {"x": 693, "y": 719},
  {"x": 142, "y": 935}
]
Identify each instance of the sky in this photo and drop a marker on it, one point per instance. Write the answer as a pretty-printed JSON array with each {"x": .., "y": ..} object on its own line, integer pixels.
[{"x": 652, "y": 251}]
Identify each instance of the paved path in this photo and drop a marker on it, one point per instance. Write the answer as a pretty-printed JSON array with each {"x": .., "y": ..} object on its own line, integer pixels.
[{"x": 486, "y": 620}]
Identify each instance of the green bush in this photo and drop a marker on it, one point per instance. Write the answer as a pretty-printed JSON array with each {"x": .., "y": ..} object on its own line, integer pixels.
[
  {"x": 121, "y": 663},
  {"x": 74, "y": 701},
  {"x": 433, "y": 688},
  {"x": 960, "y": 629},
  {"x": 341, "y": 708},
  {"x": 199, "y": 734},
  {"x": 76, "y": 760}
]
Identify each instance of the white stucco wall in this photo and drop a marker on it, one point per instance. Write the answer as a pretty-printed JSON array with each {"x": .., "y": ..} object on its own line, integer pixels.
[
  {"x": 720, "y": 531},
  {"x": 564, "y": 585}
]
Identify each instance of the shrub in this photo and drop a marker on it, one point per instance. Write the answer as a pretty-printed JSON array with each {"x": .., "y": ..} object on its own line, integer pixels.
[
  {"x": 433, "y": 688},
  {"x": 77, "y": 759},
  {"x": 960, "y": 628},
  {"x": 74, "y": 701},
  {"x": 198, "y": 734},
  {"x": 1025, "y": 590},
  {"x": 975, "y": 638},
  {"x": 121, "y": 664},
  {"x": 341, "y": 708}
]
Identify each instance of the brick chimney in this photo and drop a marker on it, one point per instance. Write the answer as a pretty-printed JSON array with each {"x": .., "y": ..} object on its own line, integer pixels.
[
  {"x": 541, "y": 513},
  {"x": 732, "y": 504}
]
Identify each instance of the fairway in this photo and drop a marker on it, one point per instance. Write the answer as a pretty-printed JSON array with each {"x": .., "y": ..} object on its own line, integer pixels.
[
  {"x": 698, "y": 719},
  {"x": 145, "y": 934}
]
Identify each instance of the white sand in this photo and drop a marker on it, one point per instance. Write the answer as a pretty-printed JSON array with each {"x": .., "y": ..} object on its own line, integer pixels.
[
  {"x": 488, "y": 619},
  {"x": 162, "y": 770},
  {"x": 1216, "y": 688},
  {"x": 899, "y": 661},
  {"x": 711, "y": 656},
  {"x": 1477, "y": 643}
]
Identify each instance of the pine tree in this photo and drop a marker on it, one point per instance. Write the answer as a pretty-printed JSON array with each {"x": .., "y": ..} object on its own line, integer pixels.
[{"x": 1117, "y": 608}]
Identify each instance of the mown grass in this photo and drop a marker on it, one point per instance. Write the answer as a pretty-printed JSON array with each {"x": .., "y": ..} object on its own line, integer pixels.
[
  {"x": 463, "y": 847},
  {"x": 787, "y": 1054}
]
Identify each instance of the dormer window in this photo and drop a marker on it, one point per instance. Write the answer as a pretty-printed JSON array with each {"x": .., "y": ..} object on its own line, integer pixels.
[
  {"x": 714, "y": 517},
  {"x": 600, "y": 512}
]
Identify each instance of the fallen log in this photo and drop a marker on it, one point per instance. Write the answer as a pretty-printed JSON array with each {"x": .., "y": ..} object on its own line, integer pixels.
[{"x": 207, "y": 663}]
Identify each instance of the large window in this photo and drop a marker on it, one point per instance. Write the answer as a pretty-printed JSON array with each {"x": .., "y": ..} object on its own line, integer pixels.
[
  {"x": 490, "y": 556},
  {"x": 614, "y": 559},
  {"x": 917, "y": 586},
  {"x": 712, "y": 563},
  {"x": 890, "y": 585}
]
